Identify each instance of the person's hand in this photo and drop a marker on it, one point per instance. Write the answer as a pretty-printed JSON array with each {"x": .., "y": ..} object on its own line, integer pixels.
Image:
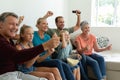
[
  {"x": 48, "y": 14},
  {"x": 79, "y": 56},
  {"x": 63, "y": 36},
  {"x": 109, "y": 47},
  {"x": 78, "y": 12},
  {"x": 51, "y": 51},
  {"x": 87, "y": 47},
  {"x": 54, "y": 35},
  {"x": 21, "y": 18},
  {"x": 52, "y": 43}
]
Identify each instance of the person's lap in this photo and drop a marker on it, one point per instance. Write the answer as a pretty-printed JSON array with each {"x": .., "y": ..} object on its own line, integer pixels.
[{"x": 16, "y": 75}]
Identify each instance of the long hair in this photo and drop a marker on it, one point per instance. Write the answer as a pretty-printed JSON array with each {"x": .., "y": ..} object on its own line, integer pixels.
[{"x": 22, "y": 31}]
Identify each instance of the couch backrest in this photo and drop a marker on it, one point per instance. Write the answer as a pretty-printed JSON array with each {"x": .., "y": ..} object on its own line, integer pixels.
[{"x": 111, "y": 32}]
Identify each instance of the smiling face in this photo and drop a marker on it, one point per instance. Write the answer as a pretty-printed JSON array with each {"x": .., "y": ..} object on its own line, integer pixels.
[
  {"x": 84, "y": 25},
  {"x": 42, "y": 25},
  {"x": 60, "y": 23},
  {"x": 9, "y": 27},
  {"x": 67, "y": 36},
  {"x": 85, "y": 29}
]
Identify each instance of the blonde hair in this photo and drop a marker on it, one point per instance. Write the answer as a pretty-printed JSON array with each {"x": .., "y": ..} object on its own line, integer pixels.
[
  {"x": 39, "y": 20},
  {"x": 62, "y": 31},
  {"x": 22, "y": 31}
]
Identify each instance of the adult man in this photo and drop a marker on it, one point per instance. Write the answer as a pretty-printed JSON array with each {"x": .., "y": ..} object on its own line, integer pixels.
[
  {"x": 59, "y": 21},
  {"x": 10, "y": 56}
]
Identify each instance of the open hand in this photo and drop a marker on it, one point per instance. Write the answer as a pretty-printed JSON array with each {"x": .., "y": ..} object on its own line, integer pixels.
[{"x": 109, "y": 47}]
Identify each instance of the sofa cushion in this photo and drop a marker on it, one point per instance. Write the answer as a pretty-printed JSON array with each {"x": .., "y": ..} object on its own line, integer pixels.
[
  {"x": 112, "y": 60},
  {"x": 102, "y": 41}
]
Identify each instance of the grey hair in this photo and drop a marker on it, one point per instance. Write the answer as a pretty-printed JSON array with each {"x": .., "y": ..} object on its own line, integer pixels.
[
  {"x": 83, "y": 23},
  {"x": 4, "y": 15}
]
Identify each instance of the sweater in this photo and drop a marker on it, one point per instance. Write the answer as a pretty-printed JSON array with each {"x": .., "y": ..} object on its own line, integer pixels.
[{"x": 10, "y": 56}]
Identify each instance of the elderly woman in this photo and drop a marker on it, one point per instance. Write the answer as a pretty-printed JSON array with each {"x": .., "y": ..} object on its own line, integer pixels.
[{"x": 86, "y": 43}]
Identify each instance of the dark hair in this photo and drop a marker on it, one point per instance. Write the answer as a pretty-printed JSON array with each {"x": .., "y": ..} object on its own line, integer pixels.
[
  {"x": 56, "y": 19},
  {"x": 4, "y": 15}
]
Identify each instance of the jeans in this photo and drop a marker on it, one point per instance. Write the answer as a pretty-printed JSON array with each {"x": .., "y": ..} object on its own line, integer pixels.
[
  {"x": 83, "y": 68},
  {"x": 16, "y": 75},
  {"x": 97, "y": 63},
  {"x": 64, "y": 68}
]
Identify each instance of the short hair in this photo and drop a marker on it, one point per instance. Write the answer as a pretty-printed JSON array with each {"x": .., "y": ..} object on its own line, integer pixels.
[
  {"x": 4, "y": 15},
  {"x": 83, "y": 23},
  {"x": 56, "y": 19}
]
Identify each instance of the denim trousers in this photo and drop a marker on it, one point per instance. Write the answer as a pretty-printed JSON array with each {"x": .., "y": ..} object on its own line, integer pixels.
[
  {"x": 17, "y": 75},
  {"x": 97, "y": 63},
  {"x": 65, "y": 70},
  {"x": 83, "y": 68}
]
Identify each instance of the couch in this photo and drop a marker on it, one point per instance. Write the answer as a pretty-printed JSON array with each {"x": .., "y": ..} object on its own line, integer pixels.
[{"x": 112, "y": 58}]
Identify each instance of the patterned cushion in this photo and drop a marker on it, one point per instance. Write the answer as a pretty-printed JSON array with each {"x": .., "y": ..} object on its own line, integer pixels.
[{"x": 102, "y": 41}]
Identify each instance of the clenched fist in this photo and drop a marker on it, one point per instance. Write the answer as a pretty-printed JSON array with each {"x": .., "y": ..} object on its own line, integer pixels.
[{"x": 52, "y": 43}]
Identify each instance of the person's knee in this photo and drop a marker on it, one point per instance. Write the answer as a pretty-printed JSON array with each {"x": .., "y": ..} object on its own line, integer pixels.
[
  {"x": 50, "y": 75},
  {"x": 93, "y": 63},
  {"x": 55, "y": 70},
  {"x": 101, "y": 59}
]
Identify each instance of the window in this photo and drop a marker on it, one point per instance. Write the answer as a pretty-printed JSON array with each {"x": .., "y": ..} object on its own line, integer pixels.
[{"x": 105, "y": 13}]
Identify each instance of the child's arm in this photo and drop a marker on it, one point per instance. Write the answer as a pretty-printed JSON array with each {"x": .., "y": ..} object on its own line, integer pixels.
[
  {"x": 64, "y": 42},
  {"x": 42, "y": 58},
  {"x": 30, "y": 62}
]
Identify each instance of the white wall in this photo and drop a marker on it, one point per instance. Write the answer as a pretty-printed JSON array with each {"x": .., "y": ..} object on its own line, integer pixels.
[
  {"x": 84, "y": 6},
  {"x": 33, "y": 9}
]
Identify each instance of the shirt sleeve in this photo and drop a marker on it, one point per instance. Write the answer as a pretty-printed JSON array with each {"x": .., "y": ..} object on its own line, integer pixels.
[
  {"x": 9, "y": 52},
  {"x": 70, "y": 30}
]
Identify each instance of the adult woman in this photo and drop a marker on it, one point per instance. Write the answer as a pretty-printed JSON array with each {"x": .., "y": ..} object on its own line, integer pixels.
[
  {"x": 45, "y": 60},
  {"x": 85, "y": 43}
]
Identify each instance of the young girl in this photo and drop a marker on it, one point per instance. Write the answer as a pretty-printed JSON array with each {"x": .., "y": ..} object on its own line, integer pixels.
[
  {"x": 65, "y": 50},
  {"x": 26, "y": 36}
]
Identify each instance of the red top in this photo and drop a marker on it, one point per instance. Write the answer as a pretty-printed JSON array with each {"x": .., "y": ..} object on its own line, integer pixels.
[{"x": 10, "y": 56}]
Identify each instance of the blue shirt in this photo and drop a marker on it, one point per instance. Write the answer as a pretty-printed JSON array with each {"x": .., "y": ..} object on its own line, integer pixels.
[
  {"x": 37, "y": 41},
  {"x": 63, "y": 53}
]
